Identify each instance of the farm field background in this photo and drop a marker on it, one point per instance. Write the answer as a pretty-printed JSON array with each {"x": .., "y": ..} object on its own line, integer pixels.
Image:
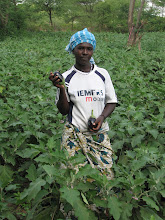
[{"x": 32, "y": 182}]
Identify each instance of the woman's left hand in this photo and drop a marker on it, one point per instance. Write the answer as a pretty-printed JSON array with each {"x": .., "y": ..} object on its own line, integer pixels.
[
  {"x": 109, "y": 108},
  {"x": 98, "y": 123}
]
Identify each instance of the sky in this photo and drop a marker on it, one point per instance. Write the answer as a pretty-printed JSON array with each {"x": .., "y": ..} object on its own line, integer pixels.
[{"x": 160, "y": 9}]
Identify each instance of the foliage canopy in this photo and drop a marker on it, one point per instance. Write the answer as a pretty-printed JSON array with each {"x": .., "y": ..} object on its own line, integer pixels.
[{"x": 59, "y": 15}]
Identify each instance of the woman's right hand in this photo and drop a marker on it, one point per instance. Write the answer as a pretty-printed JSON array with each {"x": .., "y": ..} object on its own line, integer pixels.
[{"x": 55, "y": 80}]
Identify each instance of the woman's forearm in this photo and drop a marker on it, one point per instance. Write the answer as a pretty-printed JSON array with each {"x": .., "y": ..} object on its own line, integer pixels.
[
  {"x": 109, "y": 108},
  {"x": 63, "y": 104}
]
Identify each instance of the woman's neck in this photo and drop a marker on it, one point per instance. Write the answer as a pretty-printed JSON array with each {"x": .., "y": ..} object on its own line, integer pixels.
[{"x": 84, "y": 68}]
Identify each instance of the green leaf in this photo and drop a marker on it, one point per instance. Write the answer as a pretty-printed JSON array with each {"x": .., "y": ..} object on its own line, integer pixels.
[
  {"x": 139, "y": 181},
  {"x": 5, "y": 175},
  {"x": 154, "y": 133},
  {"x": 43, "y": 158},
  {"x": 84, "y": 187},
  {"x": 77, "y": 159},
  {"x": 100, "y": 203},
  {"x": 152, "y": 217},
  {"x": 137, "y": 140},
  {"x": 33, "y": 189},
  {"x": 138, "y": 164},
  {"x": 131, "y": 154},
  {"x": 84, "y": 198},
  {"x": 1, "y": 89},
  {"x": 87, "y": 171},
  {"x": 9, "y": 215},
  {"x": 158, "y": 175},
  {"x": 50, "y": 170},
  {"x": 38, "y": 199},
  {"x": 126, "y": 211},
  {"x": 147, "y": 213},
  {"x": 28, "y": 153},
  {"x": 162, "y": 192},
  {"x": 51, "y": 144},
  {"x": 118, "y": 145},
  {"x": 131, "y": 130},
  {"x": 150, "y": 202},
  {"x": 12, "y": 187},
  {"x": 114, "y": 205},
  {"x": 72, "y": 196},
  {"x": 32, "y": 173},
  {"x": 40, "y": 135},
  {"x": 45, "y": 214}
]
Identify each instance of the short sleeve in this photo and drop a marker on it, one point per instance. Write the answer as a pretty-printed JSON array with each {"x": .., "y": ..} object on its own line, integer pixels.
[{"x": 110, "y": 95}]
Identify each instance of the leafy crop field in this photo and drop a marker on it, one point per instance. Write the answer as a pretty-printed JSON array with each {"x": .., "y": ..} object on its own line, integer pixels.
[{"x": 37, "y": 180}]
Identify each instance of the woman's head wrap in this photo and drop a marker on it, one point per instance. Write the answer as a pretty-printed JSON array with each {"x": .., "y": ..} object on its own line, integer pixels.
[{"x": 81, "y": 37}]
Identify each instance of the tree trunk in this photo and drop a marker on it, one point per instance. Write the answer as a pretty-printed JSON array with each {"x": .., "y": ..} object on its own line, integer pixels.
[
  {"x": 139, "y": 14},
  {"x": 130, "y": 15},
  {"x": 131, "y": 38},
  {"x": 14, "y": 2},
  {"x": 133, "y": 29},
  {"x": 50, "y": 17},
  {"x": 4, "y": 19},
  {"x": 4, "y": 14},
  {"x": 49, "y": 11},
  {"x": 72, "y": 24}
]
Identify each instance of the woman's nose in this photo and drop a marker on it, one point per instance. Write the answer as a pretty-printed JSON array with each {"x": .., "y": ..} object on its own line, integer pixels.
[{"x": 85, "y": 51}]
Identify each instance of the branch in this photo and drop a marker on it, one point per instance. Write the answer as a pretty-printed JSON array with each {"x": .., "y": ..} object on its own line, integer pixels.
[{"x": 139, "y": 14}]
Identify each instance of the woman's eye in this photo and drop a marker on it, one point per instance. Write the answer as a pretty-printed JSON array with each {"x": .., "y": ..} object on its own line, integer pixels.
[{"x": 82, "y": 48}]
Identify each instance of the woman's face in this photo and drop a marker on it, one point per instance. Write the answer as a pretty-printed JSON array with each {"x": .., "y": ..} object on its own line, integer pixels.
[{"x": 83, "y": 53}]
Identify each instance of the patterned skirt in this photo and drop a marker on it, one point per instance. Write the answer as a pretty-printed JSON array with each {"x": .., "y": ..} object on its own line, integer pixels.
[{"x": 95, "y": 147}]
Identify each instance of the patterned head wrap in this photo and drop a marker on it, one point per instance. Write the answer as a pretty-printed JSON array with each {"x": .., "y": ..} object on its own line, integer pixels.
[{"x": 81, "y": 37}]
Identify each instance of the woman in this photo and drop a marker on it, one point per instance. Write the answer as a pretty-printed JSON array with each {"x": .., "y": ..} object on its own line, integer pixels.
[{"x": 88, "y": 88}]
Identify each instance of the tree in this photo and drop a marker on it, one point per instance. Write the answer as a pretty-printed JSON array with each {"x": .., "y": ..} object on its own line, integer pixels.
[
  {"x": 160, "y": 3},
  {"x": 70, "y": 11},
  {"x": 159, "y": 6},
  {"x": 78, "y": 12},
  {"x": 10, "y": 15},
  {"x": 112, "y": 15},
  {"x": 4, "y": 12},
  {"x": 45, "y": 5},
  {"x": 88, "y": 4},
  {"x": 133, "y": 28}
]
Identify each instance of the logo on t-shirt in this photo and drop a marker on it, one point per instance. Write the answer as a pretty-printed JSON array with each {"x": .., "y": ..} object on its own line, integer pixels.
[{"x": 91, "y": 95}]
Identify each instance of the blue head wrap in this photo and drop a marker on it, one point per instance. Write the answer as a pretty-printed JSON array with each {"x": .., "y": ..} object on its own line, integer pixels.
[{"x": 81, "y": 37}]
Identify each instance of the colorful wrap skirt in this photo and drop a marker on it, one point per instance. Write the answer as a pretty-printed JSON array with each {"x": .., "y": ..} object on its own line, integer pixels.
[{"x": 95, "y": 147}]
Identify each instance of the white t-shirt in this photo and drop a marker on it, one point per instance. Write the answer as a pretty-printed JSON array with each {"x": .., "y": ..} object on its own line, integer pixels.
[{"x": 86, "y": 92}]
